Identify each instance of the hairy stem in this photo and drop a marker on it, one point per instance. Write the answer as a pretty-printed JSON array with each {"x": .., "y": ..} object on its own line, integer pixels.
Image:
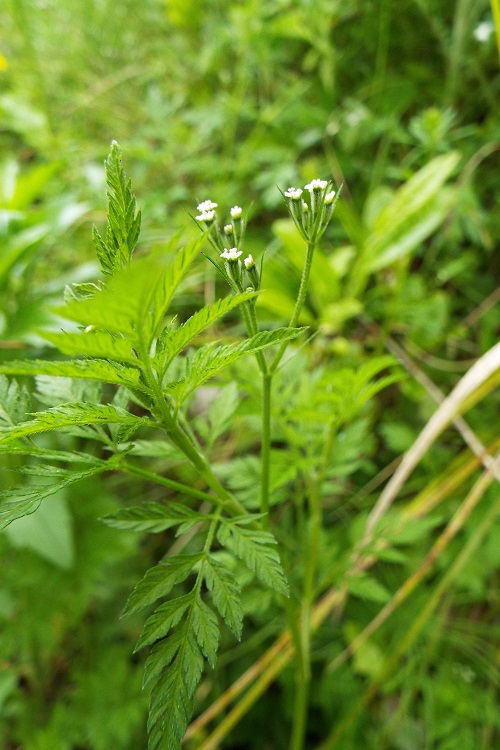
[
  {"x": 182, "y": 441},
  {"x": 299, "y": 304},
  {"x": 303, "y": 670}
]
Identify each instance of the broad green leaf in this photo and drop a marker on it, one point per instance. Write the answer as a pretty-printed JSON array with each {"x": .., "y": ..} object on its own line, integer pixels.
[
  {"x": 382, "y": 250},
  {"x": 366, "y": 587},
  {"x": 153, "y": 517},
  {"x": 225, "y": 593},
  {"x": 257, "y": 550},
  {"x": 415, "y": 211},
  {"x": 176, "y": 341},
  {"x": 25, "y": 499},
  {"x": 97, "y": 369},
  {"x": 160, "y": 580},
  {"x": 47, "y": 531},
  {"x": 210, "y": 359},
  {"x": 164, "y": 618},
  {"x": 68, "y": 415}
]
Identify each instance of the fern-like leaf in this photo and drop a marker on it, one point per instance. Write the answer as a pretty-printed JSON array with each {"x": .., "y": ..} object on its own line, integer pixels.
[
  {"x": 153, "y": 517},
  {"x": 175, "y": 665},
  {"x": 124, "y": 223},
  {"x": 225, "y": 594},
  {"x": 69, "y": 415},
  {"x": 209, "y": 360},
  {"x": 257, "y": 550},
  {"x": 23, "y": 500},
  {"x": 176, "y": 341},
  {"x": 164, "y": 618},
  {"x": 96, "y": 369},
  {"x": 14, "y": 401},
  {"x": 160, "y": 580}
]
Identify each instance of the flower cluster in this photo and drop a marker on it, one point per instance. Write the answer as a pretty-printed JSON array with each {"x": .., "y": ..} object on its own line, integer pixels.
[
  {"x": 311, "y": 208},
  {"x": 237, "y": 273}
]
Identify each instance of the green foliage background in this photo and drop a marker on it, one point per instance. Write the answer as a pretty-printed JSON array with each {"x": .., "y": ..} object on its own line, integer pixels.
[{"x": 398, "y": 100}]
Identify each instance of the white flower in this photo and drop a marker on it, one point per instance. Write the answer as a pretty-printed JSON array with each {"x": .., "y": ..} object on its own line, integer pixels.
[
  {"x": 293, "y": 193},
  {"x": 232, "y": 254},
  {"x": 316, "y": 185},
  {"x": 329, "y": 198},
  {"x": 483, "y": 31},
  {"x": 206, "y": 206},
  {"x": 228, "y": 229},
  {"x": 249, "y": 262},
  {"x": 236, "y": 212},
  {"x": 206, "y": 216},
  {"x": 305, "y": 207}
]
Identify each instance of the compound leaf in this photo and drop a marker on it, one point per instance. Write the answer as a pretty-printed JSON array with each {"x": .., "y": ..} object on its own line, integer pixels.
[
  {"x": 257, "y": 550},
  {"x": 160, "y": 580},
  {"x": 68, "y": 415},
  {"x": 153, "y": 517},
  {"x": 225, "y": 593}
]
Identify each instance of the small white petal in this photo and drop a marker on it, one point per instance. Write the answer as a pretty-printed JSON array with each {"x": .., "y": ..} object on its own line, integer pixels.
[
  {"x": 207, "y": 206},
  {"x": 249, "y": 262},
  {"x": 236, "y": 212},
  {"x": 232, "y": 254},
  {"x": 317, "y": 185},
  {"x": 329, "y": 198},
  {"x": 206, "y": 216},
  {"x": 483, "y": 31},
  {"x": 293, "y": 193},
  {"x": 228, "y": 229}
]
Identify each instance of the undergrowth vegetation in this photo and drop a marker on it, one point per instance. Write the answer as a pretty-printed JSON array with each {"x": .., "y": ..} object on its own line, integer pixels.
[{"x": 249, "y": 441}]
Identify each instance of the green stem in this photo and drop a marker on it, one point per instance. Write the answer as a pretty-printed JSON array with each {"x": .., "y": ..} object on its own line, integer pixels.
[
  {"x": 299, "y": 304},
  {"x": 182, "y": 441},
  {"x": 172, "y": 484},
  {"x": 266, "y": 447},
  {"x": 303, "y": 673}
]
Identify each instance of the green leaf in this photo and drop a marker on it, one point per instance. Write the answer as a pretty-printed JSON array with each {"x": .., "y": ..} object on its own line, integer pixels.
[
  {"x": 156, "y": 449},
  {"x": 171, "y": 700},
  {"x": 176, "y": 341},
  {"x": 210, "y": 359},
  {"x": 220, "y": 414},
  {"x": 206, "y": 629},
  {"x": 14, "y": 401},
  {"x": 175, "y": 665},
  {"x": 124, "y": 306},
  {"x": 172, "y": 277},
  {"x": 98, "y": 344},
  {"x": 256, "y": 549},
  {"x": 415, "y": 211},
  {"x": 164, "y": 618},
  {"x": 225, "y": 593},
  {"x": 122, "y": 233},
  {"x": 20, "y": 501},
  {"x": 68, "y": 415},
  {"x": 97, "y": 369},
  {"x": 47, "y": 531},
  {"x": 160, "y": 580},
  {"x": 153, "y": 517},
  {"x": 365, "y": 587}
]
